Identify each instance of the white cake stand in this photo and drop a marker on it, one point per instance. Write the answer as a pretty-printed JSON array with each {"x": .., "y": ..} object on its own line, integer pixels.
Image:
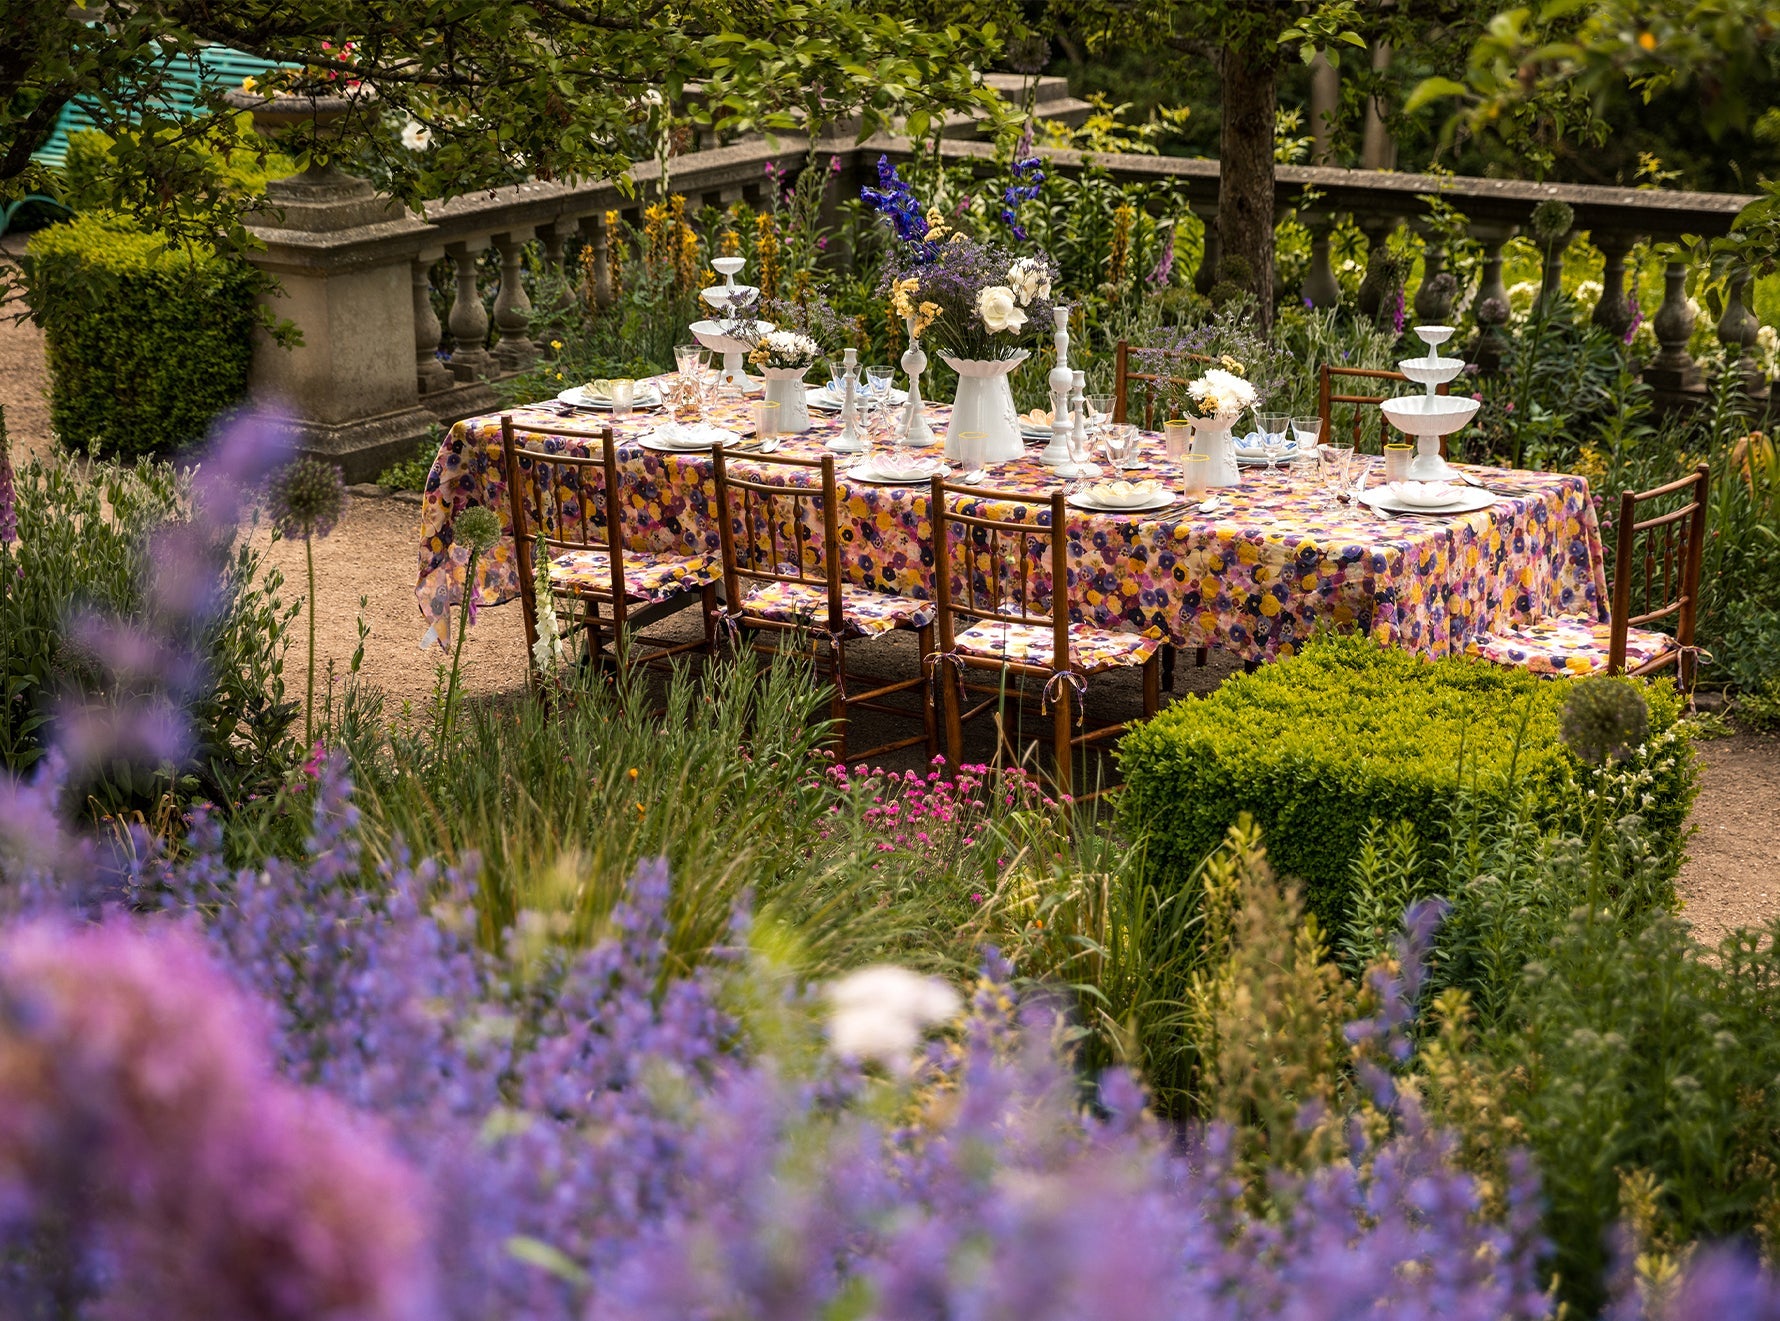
[
  {"x": 1430, "y": 416},
  {"x": 714, "y": 335}
]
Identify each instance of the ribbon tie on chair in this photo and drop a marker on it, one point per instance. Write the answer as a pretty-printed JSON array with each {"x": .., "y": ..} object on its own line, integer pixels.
[{"x": 1053, "y": 692}]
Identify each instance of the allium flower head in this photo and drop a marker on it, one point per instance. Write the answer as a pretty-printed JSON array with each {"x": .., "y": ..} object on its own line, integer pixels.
[
  {"x": 1552, "y": 220},
  {"x": 478, "y": 528},
  {"x": 1603, "y": 719},
  {"x": 880, "y": 1014},
  {"x": 1492, "y": 312},
  {"x": 306, "y": 498}
]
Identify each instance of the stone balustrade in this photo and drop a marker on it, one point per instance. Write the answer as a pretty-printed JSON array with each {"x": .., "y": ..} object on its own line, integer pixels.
[{"x": 358, "y": 273}]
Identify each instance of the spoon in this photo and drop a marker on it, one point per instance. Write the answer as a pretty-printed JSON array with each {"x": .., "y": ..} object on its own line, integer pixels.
[
  {"x": 768, "y": 445},
  {"x": 975, "y": 476},
  {"x": 1212, "y": 505}
]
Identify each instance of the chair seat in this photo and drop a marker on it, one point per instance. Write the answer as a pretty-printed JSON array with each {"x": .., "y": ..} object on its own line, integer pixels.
[
  {"x": 863, "y": 613},
  {"x": 1567, "y": 645},
  {"x": 1090, "y": 649},
  {"x": 648, "y": 576}
]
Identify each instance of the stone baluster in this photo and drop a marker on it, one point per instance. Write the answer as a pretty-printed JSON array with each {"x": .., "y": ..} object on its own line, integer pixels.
[
  {"x": 1738, "y": 327},
  {"x": 1551, "y": 278},
  {"x": 1374, "y": 286},
  {"x": 470, "y": 358},
  {"x": 1489, "y": 282},
  {"x": 593, "y": 233},
  {"x": 431, "y": 375},
  {"x": 1673, "y": 368},
  {"x": 512, "y": 305},
  {"x": 1613, "y": 313},
  {"x": 1213, "y": 254},
  {"x": 558, "y": 263},
  {"x": 1433, "y": 304},
  {"x": 1320, "y": 284}
]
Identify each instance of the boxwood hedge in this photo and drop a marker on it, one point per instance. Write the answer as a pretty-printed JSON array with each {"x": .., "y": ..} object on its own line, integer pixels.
[
  {"x": 1316, "y": 746},
  {"x": 147, "y": 343}
]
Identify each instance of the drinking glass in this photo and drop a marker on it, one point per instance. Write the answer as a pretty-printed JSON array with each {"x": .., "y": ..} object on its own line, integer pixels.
[
  {"x": 1303, "y": 467},
  {"x": 624, "y": 395},
  {"x": 1307, "y": 431},
  {"x": 1397, "y": 459},
  {"x": 1119, "y": 439},
  {"x": 765, "y": 416},
  {"x": 1273, "y": 436},
  {"x": 1177, "y": 438},
  {"x": 687, "y": 358},
  {"x": 972, "y": 446},
  {"x": 1081, "y": 450},
  {"x": 1195, "y": 474},
  {"x": 879, "y": 377},
  {"x": 1335, "y": 461}
]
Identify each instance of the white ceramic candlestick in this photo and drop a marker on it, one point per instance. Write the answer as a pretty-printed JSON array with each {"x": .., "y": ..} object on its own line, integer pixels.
[
  {"x": 849, "y": 441},
  {"x": 1078, "y": 422},
  {"x": 915, "y": 430},
  {"x": 1056, "y": 454}
]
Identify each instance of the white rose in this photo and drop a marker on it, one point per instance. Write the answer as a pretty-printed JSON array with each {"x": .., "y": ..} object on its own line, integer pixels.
[
  {"x": 416, "y": 136},
  {"x": 998, "y": 309}
]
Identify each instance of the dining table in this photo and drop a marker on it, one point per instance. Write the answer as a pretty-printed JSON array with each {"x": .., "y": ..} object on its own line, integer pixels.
[{"x": 1277, "y": 559}]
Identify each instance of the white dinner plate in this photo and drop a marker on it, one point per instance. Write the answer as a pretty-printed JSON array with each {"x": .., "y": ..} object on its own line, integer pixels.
[
  {"x": 1030, "y": 432},
  {"x": 820, "y": 396},
  {"x": 575, "y": 396},
  {"x": 702, "y": 443},
  {"x": 1160, "y": 500},
  {"x": 1466, "y": 500},
  {"x": 877, "y": 477}
]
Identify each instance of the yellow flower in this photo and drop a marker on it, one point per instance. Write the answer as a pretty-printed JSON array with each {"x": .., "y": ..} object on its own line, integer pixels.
[
  {"x": 249, "y": 83},
  {"x": 1647, "y": 40},
  {"x": 937, "y": 228},
  {"x": 556, "y": 344},
  {"x": 1231, "y": 365}
]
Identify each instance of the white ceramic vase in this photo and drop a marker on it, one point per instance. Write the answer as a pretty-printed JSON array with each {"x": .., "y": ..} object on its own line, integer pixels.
[
  {"x": 785, "y": 387},
  {"x": 1212, "y": 438},
  {"x": 984, "y": 403}
]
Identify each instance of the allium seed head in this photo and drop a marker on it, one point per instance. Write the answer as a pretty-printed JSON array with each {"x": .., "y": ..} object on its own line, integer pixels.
[
  {"x": 306, "y": 498},
  {"x": 1603, "y": 719}
]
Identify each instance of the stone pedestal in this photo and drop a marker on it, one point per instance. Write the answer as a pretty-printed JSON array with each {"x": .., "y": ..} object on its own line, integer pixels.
[{"x": 343, "y": 257}]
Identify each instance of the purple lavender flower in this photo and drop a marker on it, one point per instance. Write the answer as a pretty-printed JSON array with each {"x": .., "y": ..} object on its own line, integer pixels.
[{"x": 9, "y": 519}]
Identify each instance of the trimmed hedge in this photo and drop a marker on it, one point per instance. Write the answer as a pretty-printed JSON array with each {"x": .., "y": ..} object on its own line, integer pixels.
[
  {"x": 147, "y": 343},
  {"x": 1316, "y": 746}
]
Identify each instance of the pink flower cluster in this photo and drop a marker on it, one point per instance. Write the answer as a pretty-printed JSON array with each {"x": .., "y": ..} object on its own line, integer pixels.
[{"x": 937, "y": 817}]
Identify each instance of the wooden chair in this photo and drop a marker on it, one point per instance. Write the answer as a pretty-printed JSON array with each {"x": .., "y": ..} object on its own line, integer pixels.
[
  {"x": 776, "y": 579},
  {"x": 1152, "y": 382},
  {"x": 553, "y": 498},
  {"x": 1326, "y": 399},
  {"x": 1011, "y": 630},
  {"x": 1666, "y": 547}
]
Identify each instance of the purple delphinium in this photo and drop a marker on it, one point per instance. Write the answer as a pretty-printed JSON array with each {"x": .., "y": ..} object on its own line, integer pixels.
[
  {"x": 1027, "y": 178},
  {"x": 1163, "y": 270},
  {"x": 894, "y": 199}
]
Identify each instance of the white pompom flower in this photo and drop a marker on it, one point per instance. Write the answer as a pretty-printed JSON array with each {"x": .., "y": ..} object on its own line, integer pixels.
[{"x": 880, "y": 1014}]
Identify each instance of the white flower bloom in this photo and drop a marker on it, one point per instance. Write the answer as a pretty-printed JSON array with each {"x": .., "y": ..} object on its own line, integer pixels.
[
  {"x": 1221, "y": 394},
  {"x": 998, "y": 309},
  {"x": 416, "y": 136},
  {"x": 1028, "y": 280},
  {"x": 880, "y": 1014},
  {"x": 786, "y": 348}
]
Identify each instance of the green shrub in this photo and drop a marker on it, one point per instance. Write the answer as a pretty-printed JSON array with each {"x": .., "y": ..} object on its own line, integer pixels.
[
  {"x": 83, "y": 545},
  {"x": 92, "y": 173},
  {"x": 1316, "y": 746},
  {"x": 147, "y": 344}
]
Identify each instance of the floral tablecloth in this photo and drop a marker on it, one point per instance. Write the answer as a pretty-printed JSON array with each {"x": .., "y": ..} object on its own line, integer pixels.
[{"x": 1254, "y": 580}]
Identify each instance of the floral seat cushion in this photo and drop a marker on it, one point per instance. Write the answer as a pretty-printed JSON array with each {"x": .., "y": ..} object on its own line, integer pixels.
[
  {"x": 863, "y": 613},
  {"x": 1566, "y": 645},
  {"x": 647, "y": 576},
  {"x": 1090, "y": 649}
]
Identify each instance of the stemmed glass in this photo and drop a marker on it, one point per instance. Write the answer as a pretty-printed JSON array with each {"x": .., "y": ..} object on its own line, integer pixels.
[
  {"x": 1273, "y": 436},
  {"x": 1081, "y": 452},
  {"x": 1307, "y": 431},
  {"x": 1119, "y": 439},
  {"x": 1335, "y": 460}
]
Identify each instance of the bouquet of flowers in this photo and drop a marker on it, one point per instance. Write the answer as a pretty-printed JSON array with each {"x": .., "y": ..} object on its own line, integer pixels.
[
  {"x": 785, "y": 348},
  {"x": 974, "y": 300},
  {"x": 1219, "y": 394}
]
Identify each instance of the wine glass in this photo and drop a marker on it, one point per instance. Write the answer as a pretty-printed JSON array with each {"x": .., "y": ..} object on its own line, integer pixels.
[
  {"x": 1307, "y": 431},
  {"x": 1080, "y": 444},
  {"x": 1119, "y": 439},
  {"x": 1273, "y": 436},
  {"x": 1335, "y": 461}
]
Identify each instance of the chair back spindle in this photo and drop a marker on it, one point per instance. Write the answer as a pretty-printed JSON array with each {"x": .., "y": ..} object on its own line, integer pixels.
[
  {"x": 768, "y": 525},
  {"x": 1005, "y": 591},
  {"x": 1658, "y": 558}
]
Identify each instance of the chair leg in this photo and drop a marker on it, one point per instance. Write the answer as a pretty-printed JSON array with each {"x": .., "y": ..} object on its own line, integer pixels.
[
  {"x": 1199, "y": 655},
  {"x": 596, "y": 641},
  {"x": 948, "y": 683},
  {"x": 1065, "y": 753},
  {"x": 837, "y": 704},
  {"x": 708, "y": 603},
  {"x": 1152, "y": 687},
  {"x": 1168, "y": 666},
  {"x": 929, "y": 719}
]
